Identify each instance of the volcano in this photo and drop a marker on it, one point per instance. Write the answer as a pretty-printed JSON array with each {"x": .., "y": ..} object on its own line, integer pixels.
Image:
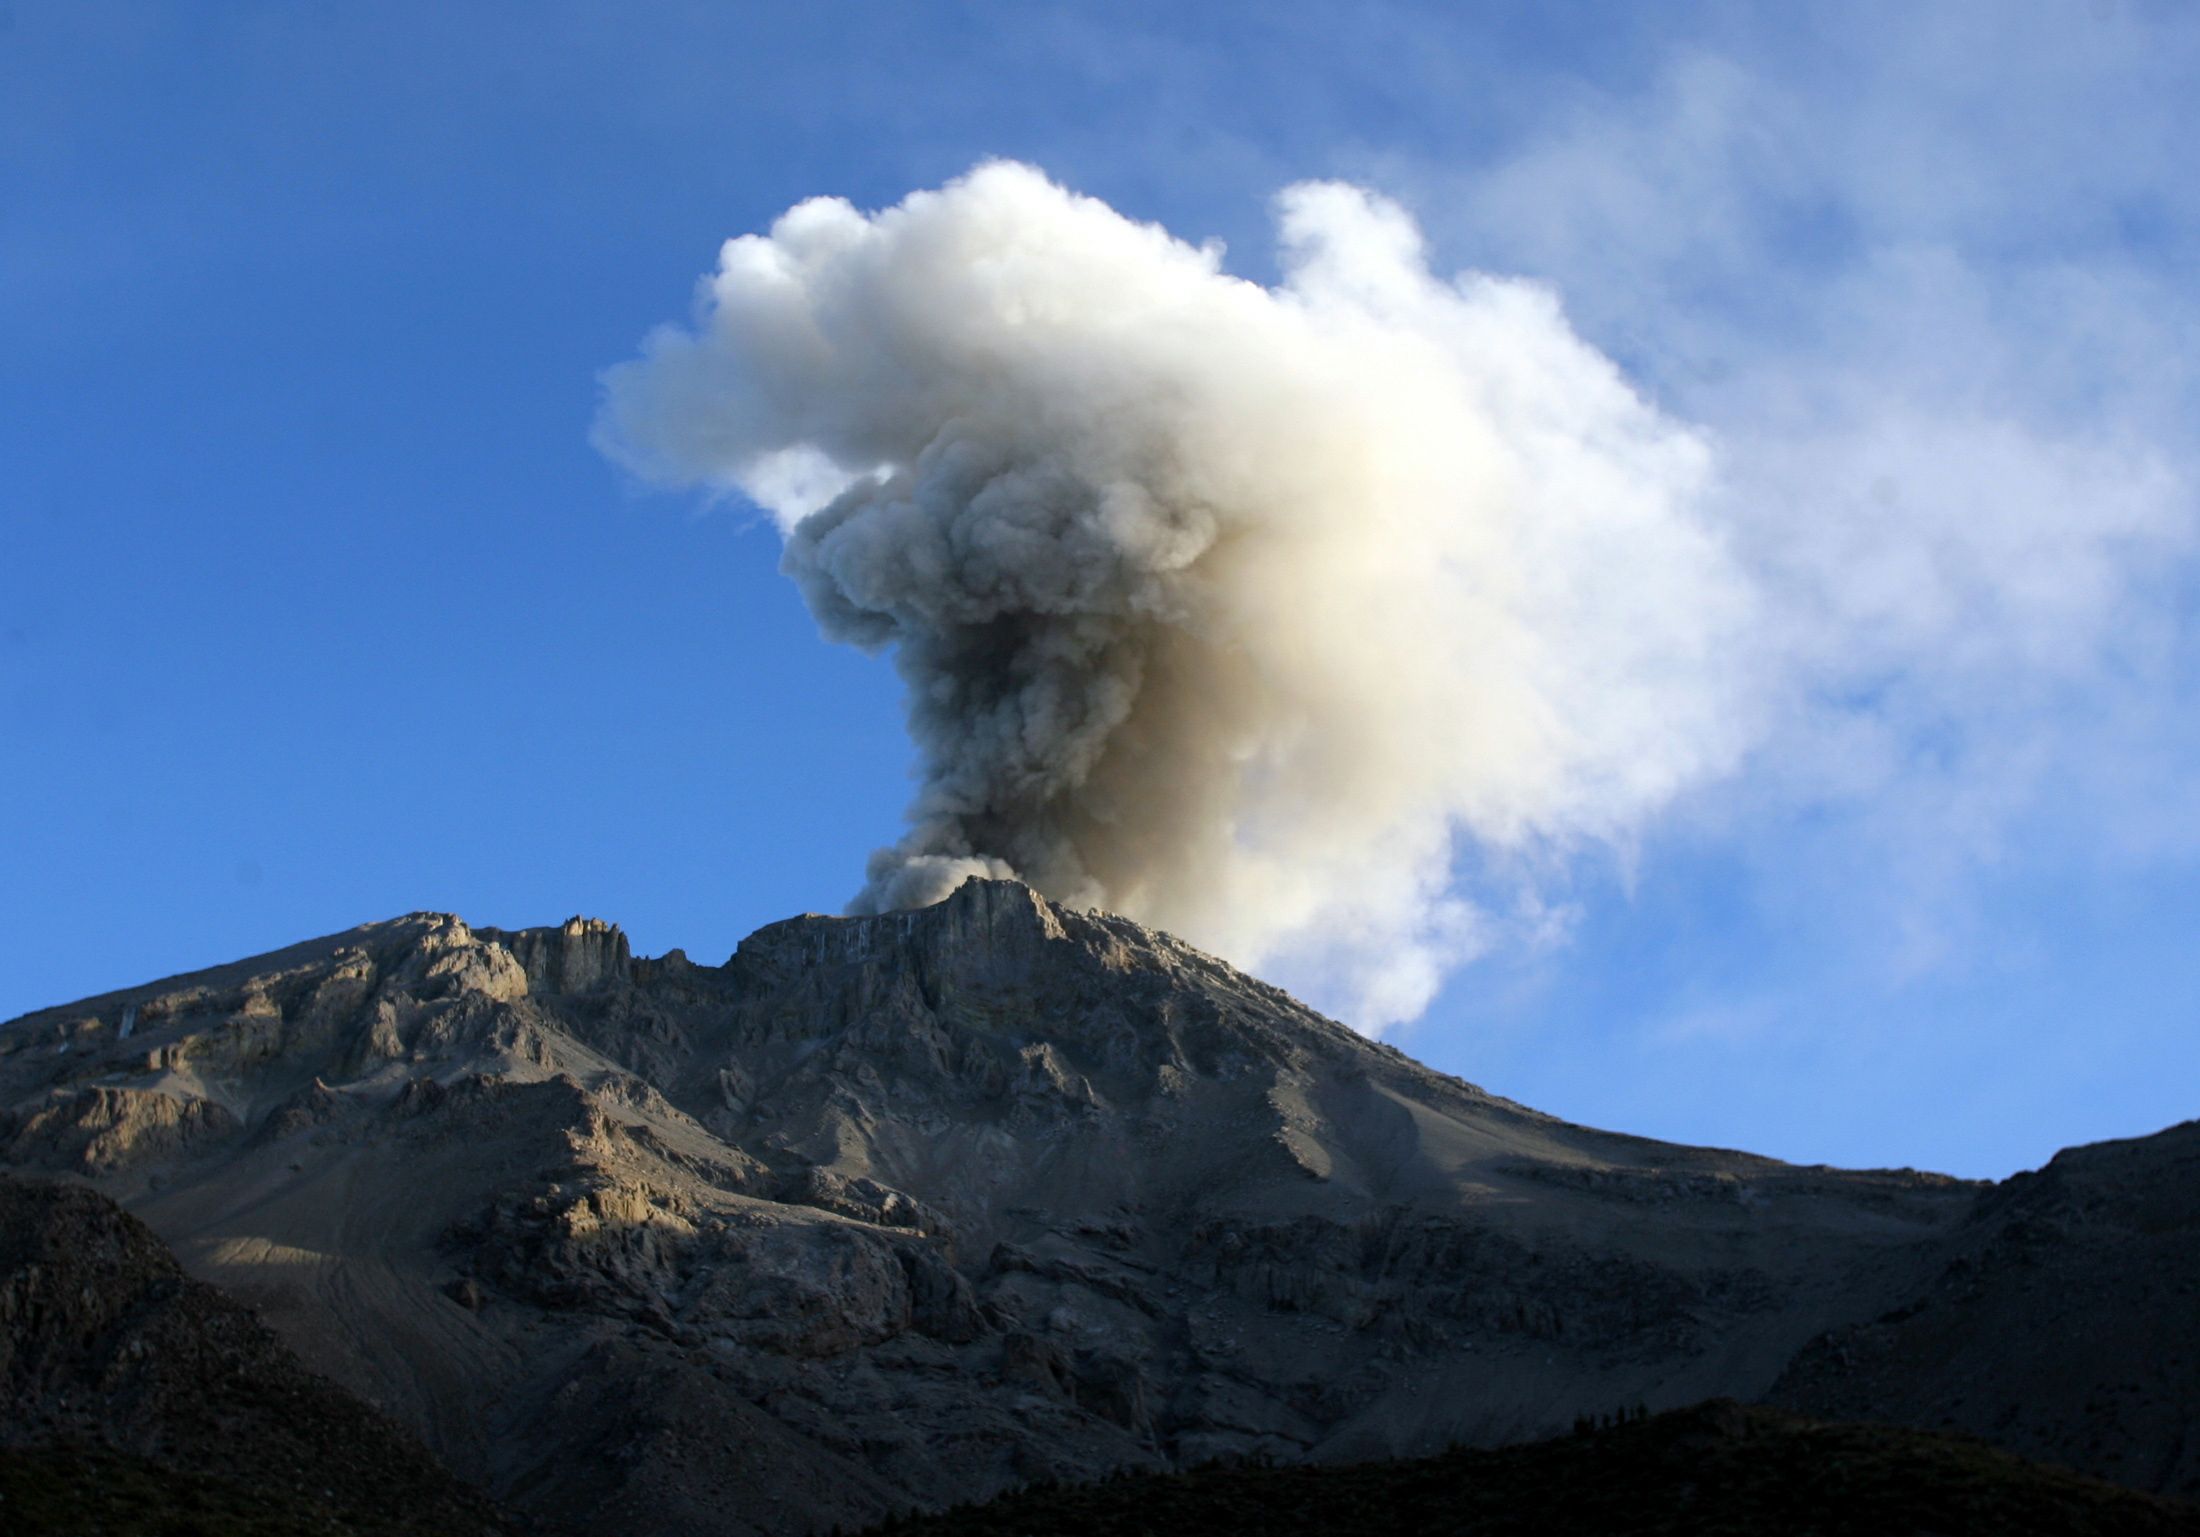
[{"x": 900, "y": 1211}]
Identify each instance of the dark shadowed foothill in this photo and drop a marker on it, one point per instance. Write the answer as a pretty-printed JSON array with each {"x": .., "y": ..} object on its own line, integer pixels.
[{"x": 135, "y": 1399}]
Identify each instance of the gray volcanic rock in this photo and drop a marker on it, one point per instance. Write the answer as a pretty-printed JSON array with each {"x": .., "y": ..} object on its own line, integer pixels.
[
  {"x": 103, "y": 1129},
  {"x": 907, "y": 1209}
]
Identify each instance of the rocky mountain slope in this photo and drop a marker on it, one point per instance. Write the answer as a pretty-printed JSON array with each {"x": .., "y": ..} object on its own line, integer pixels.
[
  {"x": 908, "y": 1209},
  {"x": 113, "y": 1362}
]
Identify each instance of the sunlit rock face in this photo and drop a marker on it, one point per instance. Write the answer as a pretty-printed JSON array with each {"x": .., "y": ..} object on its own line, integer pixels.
[{"x": 905, "y": 1209}]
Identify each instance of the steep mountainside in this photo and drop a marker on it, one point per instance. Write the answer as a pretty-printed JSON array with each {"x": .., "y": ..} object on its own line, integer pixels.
[
  {"x": 908, "y": 1209},
  {"x": 115, "y": 1362}
]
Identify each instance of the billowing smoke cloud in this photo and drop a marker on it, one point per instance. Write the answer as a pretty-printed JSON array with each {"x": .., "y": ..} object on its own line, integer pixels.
[{"x": 1248, "y": 612}]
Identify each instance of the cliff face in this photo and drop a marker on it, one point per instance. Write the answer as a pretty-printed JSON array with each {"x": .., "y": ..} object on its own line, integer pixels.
[{"x": 908, "y": 1208}]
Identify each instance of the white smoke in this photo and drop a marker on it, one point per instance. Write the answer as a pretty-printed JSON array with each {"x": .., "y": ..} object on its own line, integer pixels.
[{"x": 1247, "y": 612}]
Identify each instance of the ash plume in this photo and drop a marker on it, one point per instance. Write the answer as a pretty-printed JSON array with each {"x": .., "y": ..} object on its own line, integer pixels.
[{"x": 1256, "y": 613}]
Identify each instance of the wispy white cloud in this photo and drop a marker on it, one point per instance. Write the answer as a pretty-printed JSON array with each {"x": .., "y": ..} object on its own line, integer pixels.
[{"x": 1919, "y": 275}]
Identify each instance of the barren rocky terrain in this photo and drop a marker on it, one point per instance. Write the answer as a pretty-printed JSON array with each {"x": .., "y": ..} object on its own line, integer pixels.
[{"x": 901, "y": 1211}]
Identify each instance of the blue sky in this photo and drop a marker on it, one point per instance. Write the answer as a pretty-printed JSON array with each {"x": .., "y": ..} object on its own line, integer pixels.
[{"x": 317, "y": 606}]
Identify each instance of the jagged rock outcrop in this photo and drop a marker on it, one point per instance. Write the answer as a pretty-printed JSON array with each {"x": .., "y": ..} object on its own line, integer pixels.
[
  {"x": 101, "y": 1129},
  {"x": 906, "y": 1209}
]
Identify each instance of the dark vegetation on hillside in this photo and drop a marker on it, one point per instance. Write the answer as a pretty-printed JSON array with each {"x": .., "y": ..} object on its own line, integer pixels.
[
  {"x": 82, "y": 1491},
  {"x": 1716, "y": 1470}
]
